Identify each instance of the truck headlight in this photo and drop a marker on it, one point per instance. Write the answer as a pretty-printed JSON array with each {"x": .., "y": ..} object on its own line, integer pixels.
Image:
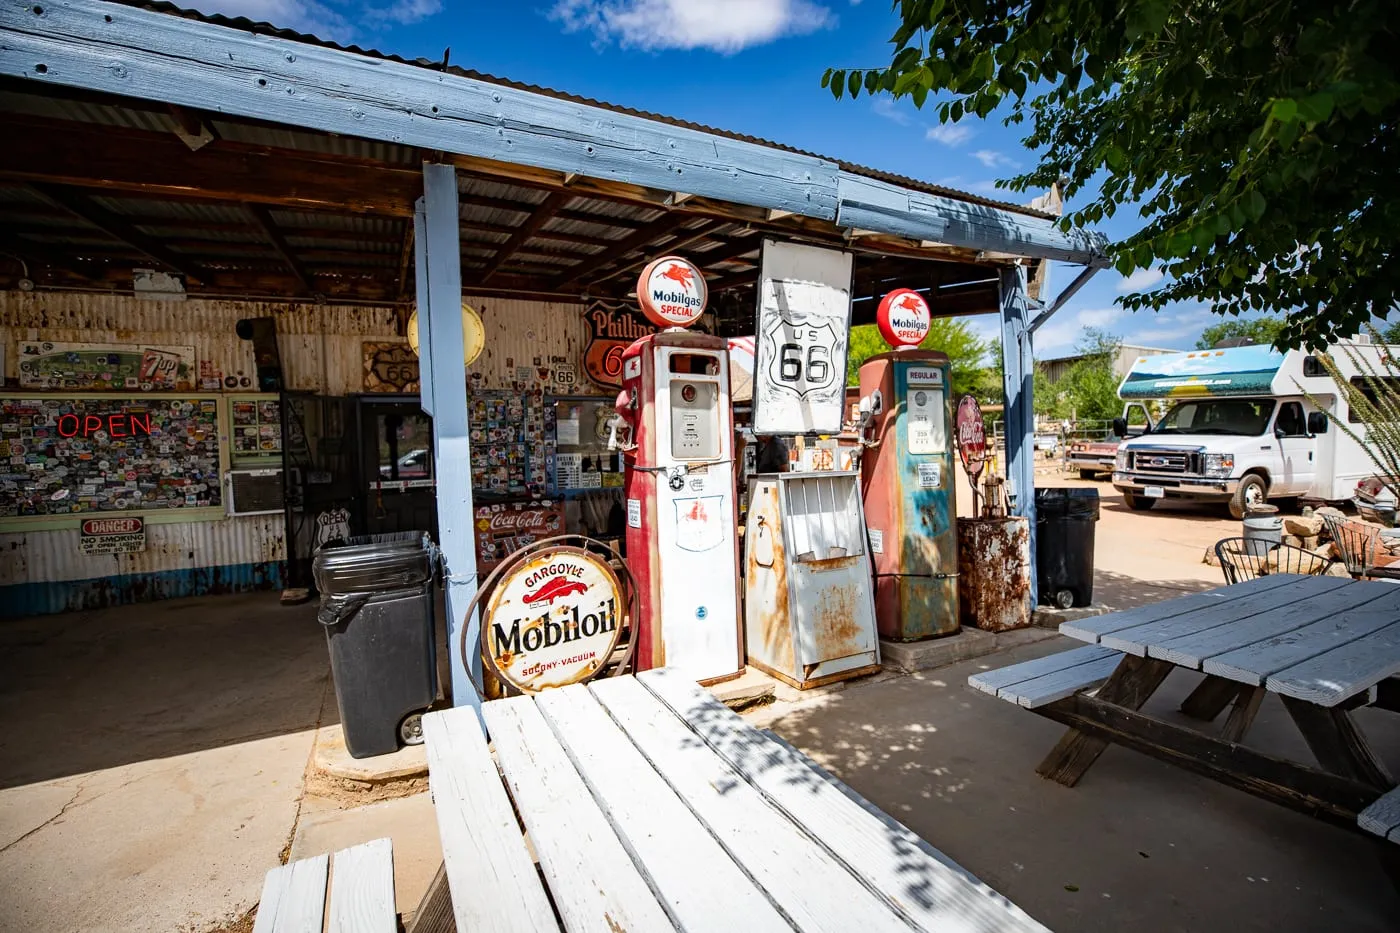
[
  {"x": 1219, "y": 464},
  {"x": 1120, "y": 460}
]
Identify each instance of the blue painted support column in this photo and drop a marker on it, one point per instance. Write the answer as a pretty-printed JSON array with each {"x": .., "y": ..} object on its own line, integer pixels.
[
  {"x": 1018, "y": 368},
  {"x": 443, "y": 377}
]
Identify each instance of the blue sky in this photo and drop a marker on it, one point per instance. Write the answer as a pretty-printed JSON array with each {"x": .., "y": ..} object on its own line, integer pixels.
[{"x": 748, "y": 65}]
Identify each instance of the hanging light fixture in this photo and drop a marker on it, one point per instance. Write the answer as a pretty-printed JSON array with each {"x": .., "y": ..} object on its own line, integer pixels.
[{"x": 473, "y": 333}]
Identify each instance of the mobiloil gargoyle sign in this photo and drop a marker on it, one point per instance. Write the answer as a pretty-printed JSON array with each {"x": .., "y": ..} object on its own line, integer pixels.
[{"x": 554, "y": 619}]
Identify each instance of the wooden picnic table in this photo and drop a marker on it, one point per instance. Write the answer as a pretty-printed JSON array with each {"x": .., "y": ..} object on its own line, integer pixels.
[
  {"x": 1324, "y": 645},
  {"x": 651, "y": 806}
]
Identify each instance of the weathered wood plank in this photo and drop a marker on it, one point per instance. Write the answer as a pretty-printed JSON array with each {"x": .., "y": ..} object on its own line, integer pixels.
[
  {"x": 920, "y": 887},
  {"x": 697, "y": 881},
  {"x": 593, "y": 881},
  {"x": 1139, "y": 638},
  {"x": 1128, "y": 687},
  {"x": 294, "y": 897},
  {"x": 1093, "y": 629},
  {"x": 1192, "y": 650},
  {"x": 1327, "y": 796},
  {"x": 1242, "y": 714},
  {"x": 806, "y": 881},
  {"x": 1048, "y": 688},
  {"x": 1383, "y": 816},
  {"x": 362, "y": 889},
  {"x": 1328, "y": 679},
  {"x": 1253, "y": 663},
  {"x": 999, "y": 678},
  {"x": 1209, "y": 697},
  {"x": 1337, "y": 743},
  {"x": 434, "y": 911},
  {"x": 490, "y": 871}
]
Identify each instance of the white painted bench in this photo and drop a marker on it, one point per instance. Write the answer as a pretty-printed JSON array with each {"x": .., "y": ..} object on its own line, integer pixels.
[
  {"x": 1383, "y": 817},
  {"x": 361, "y": 882},
  {"x": 1036, "y": 683}
]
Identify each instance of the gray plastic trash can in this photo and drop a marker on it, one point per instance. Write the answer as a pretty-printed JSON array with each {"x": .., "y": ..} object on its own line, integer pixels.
[{"x": 377, "y": 608}]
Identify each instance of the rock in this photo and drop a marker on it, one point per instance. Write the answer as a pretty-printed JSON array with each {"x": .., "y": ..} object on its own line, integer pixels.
[
  {"x": 1327, "y": 551},
  {"x": 1293, "y": 540},
  {"x": 1338, "y": 569},
  {"x": 1310, "y": 543},
  {"x": 1210, "y": 560},
  {"x": 1336, "y": 513},
  {"x": 1302, "y": 526},
  {"x": 1392, "y": 545}
]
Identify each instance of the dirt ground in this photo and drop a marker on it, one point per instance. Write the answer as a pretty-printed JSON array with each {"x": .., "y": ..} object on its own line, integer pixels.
[{"x": 155, "y": 758}]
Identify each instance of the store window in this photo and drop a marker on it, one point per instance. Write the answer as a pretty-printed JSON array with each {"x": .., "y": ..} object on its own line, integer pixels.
[{"x": 405, "y": 446}]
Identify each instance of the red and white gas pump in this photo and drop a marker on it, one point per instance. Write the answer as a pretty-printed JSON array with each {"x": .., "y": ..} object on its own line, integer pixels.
[{"x": 679, "y": 482}]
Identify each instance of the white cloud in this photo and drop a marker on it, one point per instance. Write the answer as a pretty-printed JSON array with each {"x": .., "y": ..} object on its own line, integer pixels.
[
  {"x": 403, "y": 12},
  {"x": 949, "y": 134},
  {"x": 889, "y": 109},
  {"x": 993, "y": 159},
  {"x": 724, "y": 26},
  {"x": 1141, "y": 279},
  {"x": 301, "y": 15}
]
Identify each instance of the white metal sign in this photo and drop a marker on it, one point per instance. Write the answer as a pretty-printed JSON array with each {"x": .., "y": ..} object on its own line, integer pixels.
[{"x": 804, "y": 322}]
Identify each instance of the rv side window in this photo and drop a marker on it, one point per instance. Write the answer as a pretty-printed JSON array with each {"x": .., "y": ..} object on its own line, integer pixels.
[
  {"x": 1291, "y": 421},
  {"x": 1369, "y": 387}
]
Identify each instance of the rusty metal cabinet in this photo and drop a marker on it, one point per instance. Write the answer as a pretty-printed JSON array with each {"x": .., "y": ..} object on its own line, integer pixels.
[{"x": 809, "y": 608}]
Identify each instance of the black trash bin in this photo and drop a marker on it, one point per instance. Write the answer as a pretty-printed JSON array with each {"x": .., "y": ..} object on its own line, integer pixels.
[
  {"x": 1064, "y": 545},
  {"x": 377, "y": 607}
]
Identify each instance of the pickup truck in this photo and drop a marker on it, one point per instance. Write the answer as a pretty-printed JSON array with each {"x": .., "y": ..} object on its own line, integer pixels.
[{"x": 1092, "y": 458}]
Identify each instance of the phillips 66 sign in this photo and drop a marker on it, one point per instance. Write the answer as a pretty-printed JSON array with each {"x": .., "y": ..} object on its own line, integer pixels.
[{"x": 804, "y": 320}]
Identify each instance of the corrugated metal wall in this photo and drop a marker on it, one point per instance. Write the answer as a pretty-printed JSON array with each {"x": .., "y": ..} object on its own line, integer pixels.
[{"x": 321, "y": 347}]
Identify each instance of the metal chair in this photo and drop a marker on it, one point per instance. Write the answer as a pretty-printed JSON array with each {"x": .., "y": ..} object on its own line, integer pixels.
[
  {"x": 1246, "y": 558},
  {"x": 1359, "y": 544}
]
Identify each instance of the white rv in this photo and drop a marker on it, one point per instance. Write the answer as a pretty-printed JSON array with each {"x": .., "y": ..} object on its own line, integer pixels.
[{"x": 1241, "y": 429}]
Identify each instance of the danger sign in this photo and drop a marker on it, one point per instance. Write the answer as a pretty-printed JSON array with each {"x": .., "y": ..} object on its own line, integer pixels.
[
  {"x": 112, "y": 536},
  {"x": 553, "y": 620}
]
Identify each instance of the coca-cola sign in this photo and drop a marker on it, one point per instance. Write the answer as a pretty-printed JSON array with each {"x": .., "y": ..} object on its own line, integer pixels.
[
  {"x": 972, "y": 436},
  {"x": 503, "y": 529}
]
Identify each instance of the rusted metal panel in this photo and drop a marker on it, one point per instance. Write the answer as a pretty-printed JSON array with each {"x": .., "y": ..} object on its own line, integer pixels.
[
  {"x": 809, "y": 611},
  {"x": 994, "y": 573}
]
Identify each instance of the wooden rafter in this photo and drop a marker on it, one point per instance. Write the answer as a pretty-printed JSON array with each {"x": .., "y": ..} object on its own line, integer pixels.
[
  {"x": 727, "y": 252},
  {"x": 263, "y": 218},
  {"x": 681, "y": 241},
  {"x": 542, "y": 212},
  {"x": 623, "y": 247},
  {"x": 116, "y": 227},
  {"x": 406, "y": 252},
  {"x": 159, "y": 165}
]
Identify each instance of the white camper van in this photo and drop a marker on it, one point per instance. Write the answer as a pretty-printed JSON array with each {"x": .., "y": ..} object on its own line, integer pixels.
[{"x": 1240, "y": 429}]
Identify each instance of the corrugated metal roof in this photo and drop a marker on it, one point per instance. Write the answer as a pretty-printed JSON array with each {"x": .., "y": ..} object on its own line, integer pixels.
[{"x": 267, "y": 29}]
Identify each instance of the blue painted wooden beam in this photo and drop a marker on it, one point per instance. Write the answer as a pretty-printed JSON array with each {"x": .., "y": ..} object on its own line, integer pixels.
[
  {"x": 1018, "y": 370},
  {"x": 870, "y": 204},
  {"x": 157, "y": 56},
  {"x": 443, "y": 377}
]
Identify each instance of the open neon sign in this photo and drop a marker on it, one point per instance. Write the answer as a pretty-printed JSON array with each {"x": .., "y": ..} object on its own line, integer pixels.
[{"x": 119, "y": 425}]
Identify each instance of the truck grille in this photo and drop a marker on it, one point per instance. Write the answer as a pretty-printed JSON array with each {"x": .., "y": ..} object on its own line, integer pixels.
[{"x": 1164, "y": 461}]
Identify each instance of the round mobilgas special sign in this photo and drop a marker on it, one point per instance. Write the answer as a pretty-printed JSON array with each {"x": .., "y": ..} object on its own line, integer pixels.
[
  {"x": 671, "y": 292},
  {"x": 553, "y": 620},
  {"x": 903, "y": 318}
]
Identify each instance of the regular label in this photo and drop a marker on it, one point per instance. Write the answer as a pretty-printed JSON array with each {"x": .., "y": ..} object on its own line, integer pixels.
[
  {"x": 634, "y": 513},
  {"x": 877, "y": 540},
  {"x": 930, "y": 476}
]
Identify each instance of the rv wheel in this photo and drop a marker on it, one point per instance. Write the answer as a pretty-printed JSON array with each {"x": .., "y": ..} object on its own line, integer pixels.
[{"x": 1251, "y": 491}]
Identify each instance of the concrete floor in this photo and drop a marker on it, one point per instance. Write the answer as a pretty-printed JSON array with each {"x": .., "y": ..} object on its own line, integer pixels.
[{"x": 155, "y": 761}]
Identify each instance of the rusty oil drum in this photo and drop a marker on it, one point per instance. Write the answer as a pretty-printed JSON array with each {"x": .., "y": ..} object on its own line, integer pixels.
[{"x": 994, "y": 573}]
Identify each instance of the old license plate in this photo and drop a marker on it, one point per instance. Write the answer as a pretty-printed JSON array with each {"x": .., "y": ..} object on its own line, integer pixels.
[{"x": 1154, "y": 492}]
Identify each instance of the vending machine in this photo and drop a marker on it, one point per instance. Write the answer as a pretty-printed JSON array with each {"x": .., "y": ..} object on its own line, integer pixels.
[
  {"x": 679, "y": 487},
  {"x": 907, "y": 476}
]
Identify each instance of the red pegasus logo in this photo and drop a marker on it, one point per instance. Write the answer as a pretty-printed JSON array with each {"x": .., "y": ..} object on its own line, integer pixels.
[
  {"x": 911, "y": 303},
  {"x": 681, "y": 275},
  {"x": 556, "y": 588}
]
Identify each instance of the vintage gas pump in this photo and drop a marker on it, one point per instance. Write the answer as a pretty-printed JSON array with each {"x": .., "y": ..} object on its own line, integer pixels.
[
  {"x": 907, "y": 476},
  {"x": 679, "y": 482}
]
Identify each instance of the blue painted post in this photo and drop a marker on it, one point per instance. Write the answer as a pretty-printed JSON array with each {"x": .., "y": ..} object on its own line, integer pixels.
[
  {"x": 443, "y": 376},
  {"x": 1018, "y": 368}
]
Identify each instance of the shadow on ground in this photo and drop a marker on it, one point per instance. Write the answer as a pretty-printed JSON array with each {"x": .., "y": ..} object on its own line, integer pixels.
[
  {"x": 86, "y": 691},
  {"x": 1137, "y": 845},
  {"x": 1119, "y": 591}
]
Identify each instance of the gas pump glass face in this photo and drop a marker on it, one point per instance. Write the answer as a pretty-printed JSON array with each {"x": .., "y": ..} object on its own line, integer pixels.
[
  {"x": 925, "y": 420},
  {"x": 694, "y": 420}
]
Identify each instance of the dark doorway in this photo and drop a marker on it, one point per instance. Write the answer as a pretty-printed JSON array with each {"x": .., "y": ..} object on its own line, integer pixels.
[{"x": 396, "y": 466}]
